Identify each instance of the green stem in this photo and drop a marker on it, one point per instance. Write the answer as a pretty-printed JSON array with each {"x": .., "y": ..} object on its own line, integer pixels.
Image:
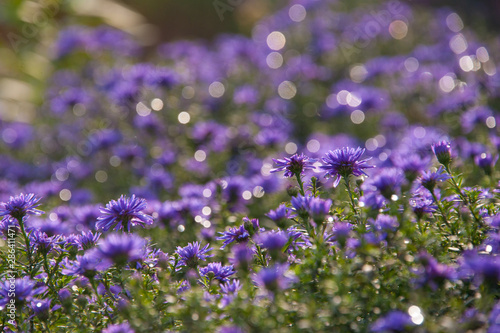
[
  {"x": 28, "y": 247},
  {"x": 348, "y": 186},
  {"x": 462, "y": 195},
  {"x": 441, "y": 210},
  {"x": 301, "y": 185}
]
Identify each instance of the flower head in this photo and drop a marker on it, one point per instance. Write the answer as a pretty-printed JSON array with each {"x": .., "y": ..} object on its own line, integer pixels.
[
  {"x": 275, "y": 278},
  {"x": 88, "y": 240},
  {"x": 24, "y": 290},
  {"x": 486, "y": 162},
  {"x": 442, "y": 150},
  {"x": 122, "y": 248},
  {"x": 191, "y": 254},
  {"x": 393, "y": 322},
  {"x": 87, "y": 265},
  {"x": 19, "y": 206},
  {"x": 215, "y": 270},
  {"x": 123, "y": 213},
  {"x": 345, "y": 162},
  {"x": 430, "y": 179},
  {"x": 119, "y": 328},
  {"x": 236, "y": 234},
  {"x": 296, "y": 164}
]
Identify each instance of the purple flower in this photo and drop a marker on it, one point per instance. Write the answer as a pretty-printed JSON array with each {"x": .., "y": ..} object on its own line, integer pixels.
[
  {"x": 386, "y": 223},
  {"x": 191, "y": 254},
  {"x": 494, "y": 319},
  {"x": 19, "y": 206},
  {"x": 393, "y": 322},
  {"x": 242, "y": 256},
  {"x": 215, "y": 270},
  {"x": 442, "y": 150},
  {"x": 19, "y": 290},
  {"x": 42, "y": 309},
  {"x": 319, "y": 208},
  {"x": 422, "y": 203},
  {"x": 430, "y": 179},
  {"x": 272, "y": 240},
  {"x": 411, "y": 164},
  {"x": 482, "y": 268},
  {"x": 387, "y": 182},
  {"x": 122, "y": 248},
  {"x": 275, "y": 278},
  {"x": 236, "y": 234},
  {"x": 88, "y": 240},
  {"x": 434, "y": 274},
  {"x": 119, "y": 328},
  {"x": 486, "y": 162},
  {"x": 43, "y": 243},
  {"x": 87, "y": 265},
  {"x": 293, "y": 165},
  {"x": 123, "y": 213},
  {"x": 280, "y": 214},
  {"x": 345, "y": 162},
  {"x": 230, "y": 287},
  {"x": 230, "y": 329}
]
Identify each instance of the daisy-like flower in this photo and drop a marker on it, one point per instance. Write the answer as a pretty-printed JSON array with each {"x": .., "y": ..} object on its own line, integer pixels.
[
  {"x": 486, "y": 162},
  {"x": 123, "y": 213},
  {"x": 20, "y": 206},
  {"x": 191, "y": 254},
  {"x": 275, "y": 278},
  {"x": 430, "y": 179},
  {"x": 119, "y": 328},
  {"x": 87, "y": 265},
  {"x": 88, "y": 240},
  {"x": 215, "y": 270},
  {"x": 395, "y": 321},
  {"x": 236, "y": 234},
  {"x": 24, "y": 291},
  {"x": 293, "y": 165},
  {"x": 122, "y": 248},
  {"x": 442, "y": 150},
  {"x": 345, "y": 162}
]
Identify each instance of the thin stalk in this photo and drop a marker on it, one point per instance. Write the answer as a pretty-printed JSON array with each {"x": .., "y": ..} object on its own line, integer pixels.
[{"x": 348, "y": 186}]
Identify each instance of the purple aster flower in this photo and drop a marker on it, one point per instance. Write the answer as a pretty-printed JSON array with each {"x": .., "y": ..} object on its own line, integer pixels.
[
  {"x": 482, "y": 268},
  {"x": 345, "y": 162},
  {"x": 19, "y": 206},
  {"x": 486, "y": 162},
  {"x": 422, "y": 203},
  {"x": 123, "y": 213},
  {"x": 230, "y": 287},
  {"x": 87, "y": 265},
  {"x": 19, "y": 290},
  {"x": 494, "y": 319},
  {"x": 272, "y": 240},
  {"x": 42, "y": 309},
  {"x": 119, "y": 328},
  {"x": 88, "y": 240},
  {"x": 293, "y": 165},
  {"x": 429, "y": 179},
  {"x": 275, "y": 278},
  {"x": 442, "y": 150},
  {"x": 191, "y": 254},
  {"x": 43, "y": 243},
  {"x": 300, "y": 204},
  {"x": 340, "y": 233},
  {"x": 434, "y": 274},
  {"x": 122, "y": 248},
  {"x": 393, "y": 322},
  {"x": 385, "y": 223},
  {"x": 319, "y": 208},
  {"x": 411, "y": 164},
  {"x": 215, "y": 270},
  {"x": 236, "y": 234},
  {"x": 230, "y": 329},
  {"x": 387, "y": 182},
  {"x": 242, "y": 256},
  {"x": 280, "y": 214}
]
